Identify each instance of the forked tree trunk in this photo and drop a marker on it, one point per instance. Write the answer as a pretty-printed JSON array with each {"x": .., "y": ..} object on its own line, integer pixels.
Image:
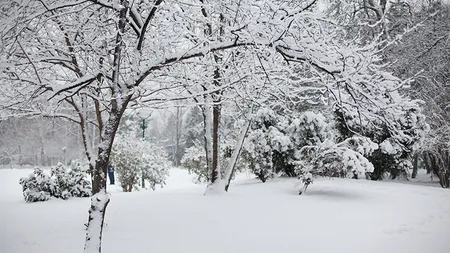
[{"x": 100, "y": 198}]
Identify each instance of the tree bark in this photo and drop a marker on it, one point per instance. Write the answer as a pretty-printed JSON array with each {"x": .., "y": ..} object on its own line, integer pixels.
[
  {"x": 99, "y": 202},
  {"x": 215, "y": 172},
  {"x": 100, "y": 198},
  {"x": 234, "y": 157},
  {"x": 216, "y": 175},
  {"x": 426, "y": 162},
  {"x": 206, "y": 111},
  {"x": 415, "y": 165},
  {"x": 178, "y": 137}
]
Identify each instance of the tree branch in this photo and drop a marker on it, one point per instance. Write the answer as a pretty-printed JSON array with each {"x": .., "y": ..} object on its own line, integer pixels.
[{"x": 151, "y": 15}]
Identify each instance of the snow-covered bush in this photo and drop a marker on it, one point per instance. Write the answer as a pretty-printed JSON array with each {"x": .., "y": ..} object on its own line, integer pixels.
[
  {"x": 321, "y": 151},
  {"x": 258, "y": 154},
  {"x": 274, "y": 140},
  {"x": 37, "y": 186},
  {"x": 398, "y": 130},
  {"x": 78, "y": 182},
  {"x": 194, "y": 160},
  {"x": 60, "y": 184},
  {"x": 60, "y": 178},
  {"x": 139, "y": 159},
  {"x": 307, "y": 144},
  {"x": 70, "y": 183},
  {"x": 263, "y": 139},
  {"x": 308, "y": 129},
  {"x": 344, "y": 159}
]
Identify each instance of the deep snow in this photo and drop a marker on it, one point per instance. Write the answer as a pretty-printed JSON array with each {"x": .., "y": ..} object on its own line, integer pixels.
[{"x": 335, "y": 215}]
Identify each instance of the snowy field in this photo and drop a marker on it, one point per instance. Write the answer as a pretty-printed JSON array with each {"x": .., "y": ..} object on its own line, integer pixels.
[{"x": 342, "y": 216}]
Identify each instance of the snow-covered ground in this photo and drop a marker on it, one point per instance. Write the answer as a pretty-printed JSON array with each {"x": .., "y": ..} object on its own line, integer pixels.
[{"x": 348, "y": 216}]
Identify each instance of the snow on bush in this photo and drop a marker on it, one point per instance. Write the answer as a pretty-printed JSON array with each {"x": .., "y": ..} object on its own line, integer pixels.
[
  {"x": 306, "y": 146},
  {"x": 263, "y": 139},
  {"x": 60, "y": 184},
  {"x": 344, "y": 159},
  {"x": 308, "y": 129},
  {"x": 60, "y": 178},
  {"x": 78, "y": 183},
  {"x": 320, "y": 154},
  {"x": 194, "y": 160},
  {"x": 398, "y": 130},
  {"x": 70, "y": 183},
  {"x": 139, "y": 159},
  {"x": 37, "y": 186},
  {"x": 274, "y": 140},
  {"x": 258, "y": 154}
]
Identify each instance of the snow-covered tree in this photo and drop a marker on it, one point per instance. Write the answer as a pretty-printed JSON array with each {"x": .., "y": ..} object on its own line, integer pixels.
[
  {"x": 139, "y": 159},
  {"x": 38, "y": 142},
  {"x": 192, "y": 127},
  {"x": 87, "y": 61},
  {"x": 399, "y": 131},
  {"x": 312, "y": 145},
  {"x": 424, "y": 53}
]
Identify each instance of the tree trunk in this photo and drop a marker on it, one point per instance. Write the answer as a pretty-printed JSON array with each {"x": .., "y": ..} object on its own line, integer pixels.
[
  {"x": 99, "y": 202},
  {"x": 426, "y": 162},
  {"x": 235, "y": 155},
  {"x": 206, "y": 111},
  {"x": 215, "y": 170},
  {"x": 415, "y": 166},
  {"x": 100, "y": 198},
  {"x": 178, "y": 137}
]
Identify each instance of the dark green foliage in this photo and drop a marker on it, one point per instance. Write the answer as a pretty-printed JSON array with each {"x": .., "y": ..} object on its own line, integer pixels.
[
  {"x": 409, "y": 127},
  {"x": 79, "y": 185},
  {"x": 60, "y": 179},
  {"x": 382, "y": 163},
  {"x": 61, "y": 184},
  {"x": 282, "y": 163},
  {"x": 37, "y": 186}
]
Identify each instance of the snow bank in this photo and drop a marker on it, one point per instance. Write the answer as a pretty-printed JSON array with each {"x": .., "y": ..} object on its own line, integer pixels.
[{"x": 339, "y": 215}]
